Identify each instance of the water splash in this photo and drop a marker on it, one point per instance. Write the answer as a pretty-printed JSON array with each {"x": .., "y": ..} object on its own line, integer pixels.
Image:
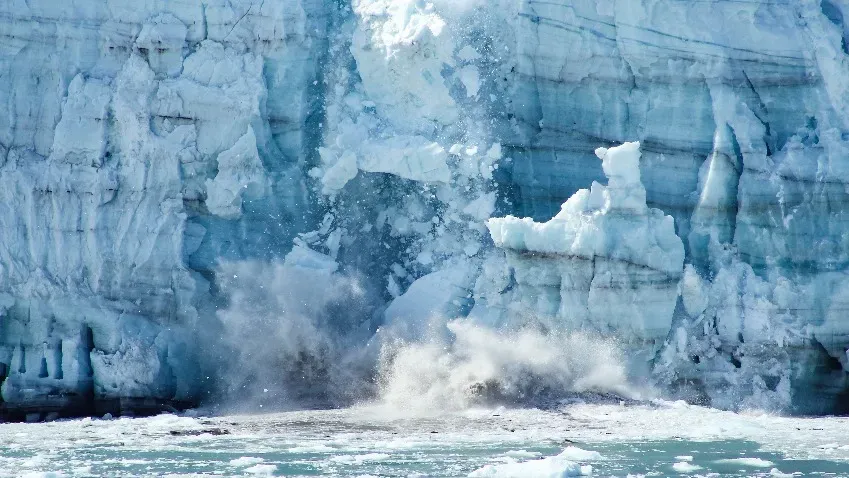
[{"x": 475, "y": 365}]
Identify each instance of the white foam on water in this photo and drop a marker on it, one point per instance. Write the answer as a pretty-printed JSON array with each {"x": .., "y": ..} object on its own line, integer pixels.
[
  {"x": 747, "y": 461},
  {"x": 359, "y": 459},
  {"x": 476, "y": 363},
  {"x": 522, "y": 454},
  {"x": 126, "y": 461},
  {"x": 476, "y": 439},
  {"x": 319, "y": 448}
]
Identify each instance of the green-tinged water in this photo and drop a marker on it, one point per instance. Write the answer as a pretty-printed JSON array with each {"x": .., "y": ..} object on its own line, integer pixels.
[{"x": 656, "y": 440}]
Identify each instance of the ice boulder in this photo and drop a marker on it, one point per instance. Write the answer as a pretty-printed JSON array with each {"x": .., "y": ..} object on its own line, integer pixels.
[
  {"x": 550, "y": 467},
  {"x": 605, "y": 262}
]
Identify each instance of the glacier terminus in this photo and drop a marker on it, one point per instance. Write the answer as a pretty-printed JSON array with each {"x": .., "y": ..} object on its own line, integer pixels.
[{"x": 312, "y": 201}]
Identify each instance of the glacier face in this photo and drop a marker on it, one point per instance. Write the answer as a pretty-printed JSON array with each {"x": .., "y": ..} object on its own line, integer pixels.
[
  {"x": 142, "y": 143},
  {"x": 741, "y": 112},
  {"x": 156, "y": 158},
  {"x": 605, "y": 261}
]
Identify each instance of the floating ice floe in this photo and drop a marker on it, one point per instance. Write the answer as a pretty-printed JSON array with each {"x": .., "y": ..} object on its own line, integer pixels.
[{"x": 550, "y": 467}]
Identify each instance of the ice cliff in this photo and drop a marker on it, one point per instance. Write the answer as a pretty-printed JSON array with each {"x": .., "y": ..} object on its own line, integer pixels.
[
  {"x": 605, "y": 261},
  {"x": 157, "y": 158},
  {"x": 140, "y": 144}
]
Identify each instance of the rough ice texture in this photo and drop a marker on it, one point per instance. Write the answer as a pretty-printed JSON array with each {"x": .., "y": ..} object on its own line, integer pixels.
[
  {"x": 605, "y": 262},
  {"x": 144, "y": 142},
  {"x": 741, "y": 110},
  {"x": 140, "y": 143}
]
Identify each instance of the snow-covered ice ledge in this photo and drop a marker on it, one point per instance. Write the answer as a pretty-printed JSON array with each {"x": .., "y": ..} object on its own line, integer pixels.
[{"x": 606, "y": 261}]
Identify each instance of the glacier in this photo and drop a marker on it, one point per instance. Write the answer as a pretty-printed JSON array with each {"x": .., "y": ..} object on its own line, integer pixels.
[
  {"x": 210, "y": 196},
  {"x": 605, "y": 261}
]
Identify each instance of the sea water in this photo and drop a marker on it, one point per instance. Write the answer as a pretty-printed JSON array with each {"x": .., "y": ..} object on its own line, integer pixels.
[{"x": 647, "y": 439}]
